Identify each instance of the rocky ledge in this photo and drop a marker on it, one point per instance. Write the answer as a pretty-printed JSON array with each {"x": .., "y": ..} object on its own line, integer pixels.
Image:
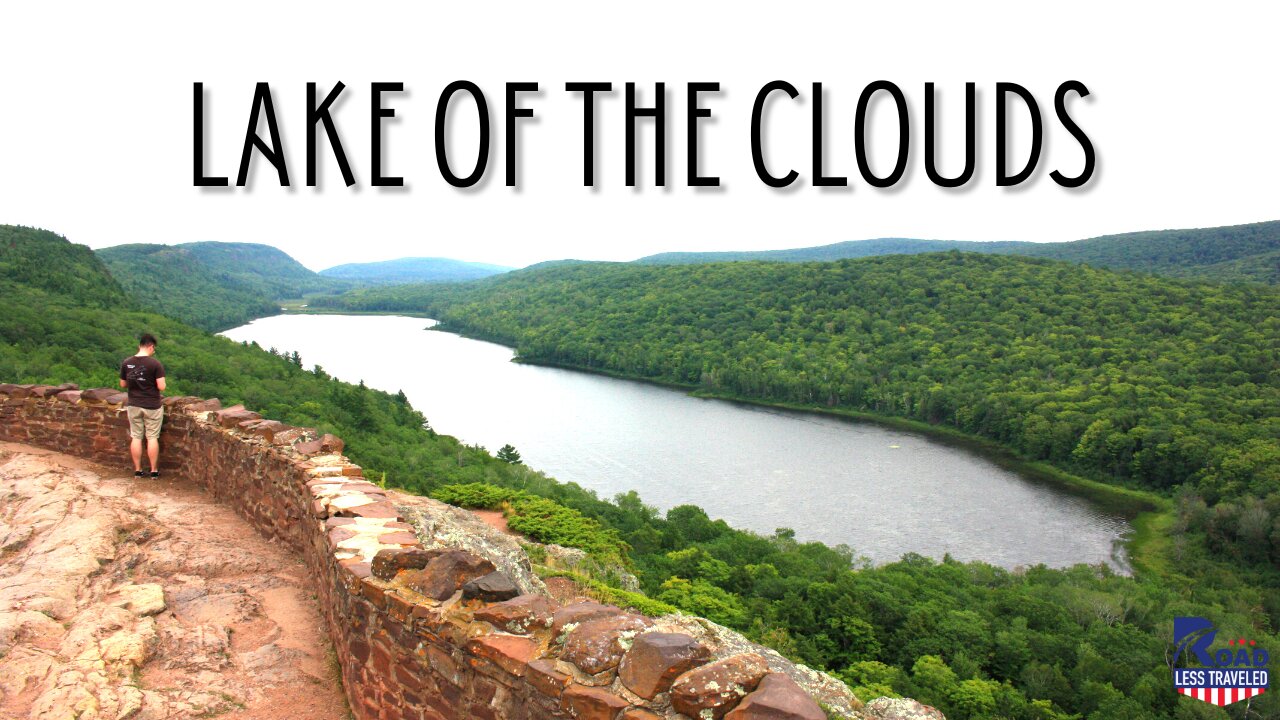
[
  {"x": 432, "y": 617},
  {"x": 125, "y": 599}
]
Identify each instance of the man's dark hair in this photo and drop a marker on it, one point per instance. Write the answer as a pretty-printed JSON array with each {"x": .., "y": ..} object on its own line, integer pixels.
[{"x": 146, "y": 339}]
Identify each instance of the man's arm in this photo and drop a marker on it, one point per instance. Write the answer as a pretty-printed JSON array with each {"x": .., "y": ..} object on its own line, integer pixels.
[
  {"x": 160, "y": 375},
  {"x": 160, "y": 383},
  {"x": 122, "y": 382}
]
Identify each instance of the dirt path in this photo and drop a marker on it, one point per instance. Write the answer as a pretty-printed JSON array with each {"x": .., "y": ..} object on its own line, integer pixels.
[
  {"x": 145, "y": 599},
  {"x": 496, "y": 520}
]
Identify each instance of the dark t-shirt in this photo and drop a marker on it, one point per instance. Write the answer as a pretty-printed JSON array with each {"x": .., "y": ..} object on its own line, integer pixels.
[{"x": 140, "y": 373}]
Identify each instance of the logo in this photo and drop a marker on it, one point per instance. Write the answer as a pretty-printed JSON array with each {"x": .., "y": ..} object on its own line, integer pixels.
[{"x": 1229, "y": 674}]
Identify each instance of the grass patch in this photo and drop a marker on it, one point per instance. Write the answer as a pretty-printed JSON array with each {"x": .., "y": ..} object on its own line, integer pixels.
[{"x": 1150, "y": 543}]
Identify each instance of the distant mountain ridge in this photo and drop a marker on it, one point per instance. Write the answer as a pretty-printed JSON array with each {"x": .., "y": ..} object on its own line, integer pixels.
[
  {"x": 414, "y": 270},
  {"x": 844, "y": 250},
  {"x": 219, "y": 285},
  {"x": 212, "y": 285},
  {"x": 260, "y": 264},
  {"x": 1236, "y": 252}
]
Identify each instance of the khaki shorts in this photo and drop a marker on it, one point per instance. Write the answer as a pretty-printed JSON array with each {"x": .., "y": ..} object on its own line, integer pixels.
[{"x": 144, "y": 421}]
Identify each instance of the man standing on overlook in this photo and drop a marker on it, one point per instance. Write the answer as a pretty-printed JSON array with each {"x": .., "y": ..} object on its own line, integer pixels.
[{"x": 143, "y": 375}]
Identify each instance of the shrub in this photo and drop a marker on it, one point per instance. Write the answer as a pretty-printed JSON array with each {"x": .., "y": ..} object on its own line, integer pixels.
[
  {"x": 541, "y": 519},
  {"x": 474, "y": 495}
]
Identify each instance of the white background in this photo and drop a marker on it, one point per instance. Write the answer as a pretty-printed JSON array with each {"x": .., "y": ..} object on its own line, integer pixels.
[{"x": 96, "y": 122}]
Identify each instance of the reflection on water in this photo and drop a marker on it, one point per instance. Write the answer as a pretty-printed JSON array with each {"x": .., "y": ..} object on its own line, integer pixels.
[{"x": 883, "y": 492}]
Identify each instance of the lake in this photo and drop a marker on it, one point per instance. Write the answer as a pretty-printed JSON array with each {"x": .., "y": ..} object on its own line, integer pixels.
[{"x": 884, "y": 492}]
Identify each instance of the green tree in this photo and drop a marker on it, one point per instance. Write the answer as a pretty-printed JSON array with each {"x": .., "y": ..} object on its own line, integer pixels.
[{"x": 508, "y": 454}]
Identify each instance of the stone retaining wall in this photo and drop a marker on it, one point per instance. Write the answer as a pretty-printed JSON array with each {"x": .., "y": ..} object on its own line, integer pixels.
[{"x": 421, "y": 634}]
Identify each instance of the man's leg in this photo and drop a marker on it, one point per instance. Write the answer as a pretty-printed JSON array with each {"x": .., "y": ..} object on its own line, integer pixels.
[
  {"x": 135, "y": 449},
  {"x": 153, "y": 419},
  {"x": 137, "y": 429}
]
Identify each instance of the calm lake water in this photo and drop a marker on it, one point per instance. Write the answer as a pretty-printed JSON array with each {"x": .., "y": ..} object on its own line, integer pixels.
[{"x": 881, "y": 491}]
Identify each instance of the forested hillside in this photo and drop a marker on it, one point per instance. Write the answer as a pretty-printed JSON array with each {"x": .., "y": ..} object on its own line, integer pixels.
[
  {"x": 1123, "y": 377},
  {"x": 1236, "y": 253},
  {"x": 1262, "y": 268},
  {"x": 212, "y": 285},
  {"x": 172, "y": 281},
  {"x": 975, "y": 640},
  {"x": 413, "y": 270},
  {"x": 45, "y": 261},
  {"x": 262, "y": 266}
]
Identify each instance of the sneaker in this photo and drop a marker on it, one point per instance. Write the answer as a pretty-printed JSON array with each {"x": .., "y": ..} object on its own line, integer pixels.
[
  {"x": 139, "y": 473},
  {"x": 155, "y": 474}
]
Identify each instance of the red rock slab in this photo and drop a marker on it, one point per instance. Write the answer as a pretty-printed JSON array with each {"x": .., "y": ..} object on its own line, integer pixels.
[
  {"x": 596, "y": 645},
  {"x": 778, "y": 697},
  {"x": 591, "y": 703},
  {"x": 357, "y": 566},
  {"x": 234, "y": 418},
  {"x": 579, "y": 613},
  {"x": 69, "y": 396},
  {"x": 639, "y": 714},
  {"x": 94, "y": 396},
  {"x": 375, "y": 509},
  {"x": 509, "y": 652},
  {"x": 519, "y": 614},
  {"x": 656, "y": 659},
  {"x": 494, "y": 587},
  {"x": 544, "y": 676},
  {"x": 398, "y": 537},
  {"x": 339, "y": 534},
  {"x": 267, "y": 428},
  {"x": 445, "y": 573},
  {"x": 179, "y": 401},
  {"x": 203, "y": 406},
  {"x": 388, "y": 563},
  {"x": 716, "y": 687}
]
